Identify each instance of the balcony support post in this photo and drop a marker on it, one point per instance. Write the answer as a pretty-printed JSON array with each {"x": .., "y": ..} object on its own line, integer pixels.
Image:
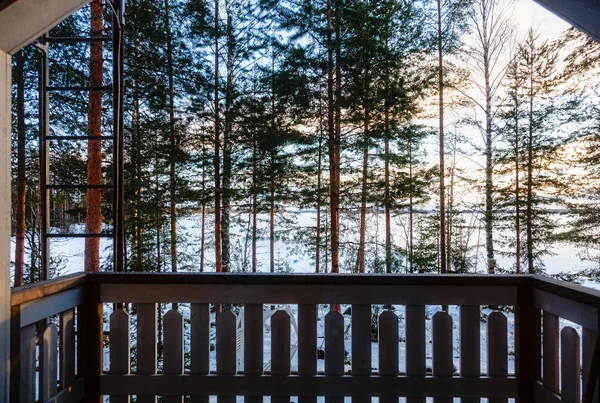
[
  {"x": 527, "y": 343},
  {"x": 90, "y": 342},
  {"x": 5, "y": 213}
]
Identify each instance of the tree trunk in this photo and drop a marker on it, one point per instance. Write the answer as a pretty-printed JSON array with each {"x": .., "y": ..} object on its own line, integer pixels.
[
  {"x": 172, "y": 141},
  {"x": 332, "y": 137},
  {"x": 410, "y": 207},
  {"x": 227, "y": 133},
  {"x": 338, "y": 131},
  {"x": 517, "y": 198},
  {"x": 136, "y": 154},
  {"x": 217, "y": 158},
  {"x": 387, "y": 201},
  {"x": 93, "y": 219},
  {"x": 489, "y": 167},
  {"x": 450, "y": 210},
  {"x": 203, "y": 210},
  {"x": 21, "y": 178},
  {"x": 319, "y": 157},
  {"x": 441, "y": 122},
  {"x": 363, "y": 201},
  {"x": 254, "y": 205},
  {"x": 158, "y": 224},
  {"x": 530, "y": 179},
  {"x": 272, "y": 218}
]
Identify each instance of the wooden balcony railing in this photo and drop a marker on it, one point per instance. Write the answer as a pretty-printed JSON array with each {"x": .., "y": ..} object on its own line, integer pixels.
[{"x": 180, "y": 363}]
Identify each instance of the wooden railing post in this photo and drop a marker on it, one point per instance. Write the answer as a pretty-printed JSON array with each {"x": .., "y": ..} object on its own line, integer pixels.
[
  {"x": 90, "y": 342},
  {"x": 527, "y": 343},
  {"x": 15, "y": 353}
]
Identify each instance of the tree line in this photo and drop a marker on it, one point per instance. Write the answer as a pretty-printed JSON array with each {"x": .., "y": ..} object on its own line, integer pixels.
[{"x": 239, "y": 112}]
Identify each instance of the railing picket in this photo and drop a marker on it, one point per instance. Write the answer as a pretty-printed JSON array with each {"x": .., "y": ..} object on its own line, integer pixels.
[
  {"x": 48, "y": 362},
  {"x": 442, "y": 349},
  {"x": 146, "y": 344},
  {"x": 497, "y": 349},
  {"x": 388, "y": 349},
  {"x": 470, "y": 333},
  {"x": 361, "y": 345},
  {"x": 67, "y": 348},
  {"x": 334, "y": 351},
  {"x": 119, "y": 348},
  {"x": 550, "y": 351},
  {"x": 588, "y": 342},
  {"x": 226, "y": 351},
  {"x": 253, "y": 344},
  {"x": 28, "y": 373},
  {"x": 200, "y": 344},
  {"x": 280, "y": 349},
  {"x": 307, "y": 345},
  {"x": 415, "y": 345},
  {"x": 570, "y": 366},
  {"x": 173, "y": 348}
]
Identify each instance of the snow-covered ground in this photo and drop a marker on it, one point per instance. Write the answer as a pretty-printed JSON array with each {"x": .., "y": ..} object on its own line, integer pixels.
[{"x": 297, "y": 257}]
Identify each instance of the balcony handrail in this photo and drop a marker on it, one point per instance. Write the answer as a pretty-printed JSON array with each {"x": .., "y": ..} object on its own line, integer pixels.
[
  {"x": 35, "y": 291},
  {"x": 309, "y": 289},
  {"x": 533, "y": 297}
]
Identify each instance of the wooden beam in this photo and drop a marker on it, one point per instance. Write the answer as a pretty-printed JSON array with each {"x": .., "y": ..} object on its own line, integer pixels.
[
  {"x": 582, "y": 14},
  {"x": 5, "y": 206},
  {"x": 320, "y": 385},
  {"x": 22, "y": 21},
  {"x": 308, "y": 294}
]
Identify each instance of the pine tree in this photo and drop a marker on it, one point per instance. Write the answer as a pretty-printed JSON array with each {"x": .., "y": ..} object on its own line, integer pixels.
[{"x": 533, "y": 121}]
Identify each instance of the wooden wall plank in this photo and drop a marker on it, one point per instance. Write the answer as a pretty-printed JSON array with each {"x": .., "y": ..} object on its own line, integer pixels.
[
  {"x": 550, "y": 351},
  {"x": 570, "y": 369},
  {"x": 497, "y": 349},
  {"x": 67, "y": 348},
  {"x": 200, "y": 344},
  {"x": 334, "y": 351},
  {"x": 5, "y": 220},
  {"x": 442, "y": 349},
  {"x": 146, "y": 344},
  {"x": 119, "y": 348},
  {"x": 226, "y": 350},
  {"x": 173, "y": 349},
  {"x": 415, "y": 345},
  {"x": 48, "y": 362},
  {"x": 280, "y": 349}
]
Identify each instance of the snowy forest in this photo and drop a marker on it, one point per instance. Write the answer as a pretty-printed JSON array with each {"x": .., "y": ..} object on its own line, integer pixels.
[{"x": 387, "y": 136}]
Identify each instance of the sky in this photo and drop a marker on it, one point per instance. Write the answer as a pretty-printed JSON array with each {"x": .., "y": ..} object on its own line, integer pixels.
[
  {"x": 530, "y": 14},
  {"x": 527, "y": 14}
]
